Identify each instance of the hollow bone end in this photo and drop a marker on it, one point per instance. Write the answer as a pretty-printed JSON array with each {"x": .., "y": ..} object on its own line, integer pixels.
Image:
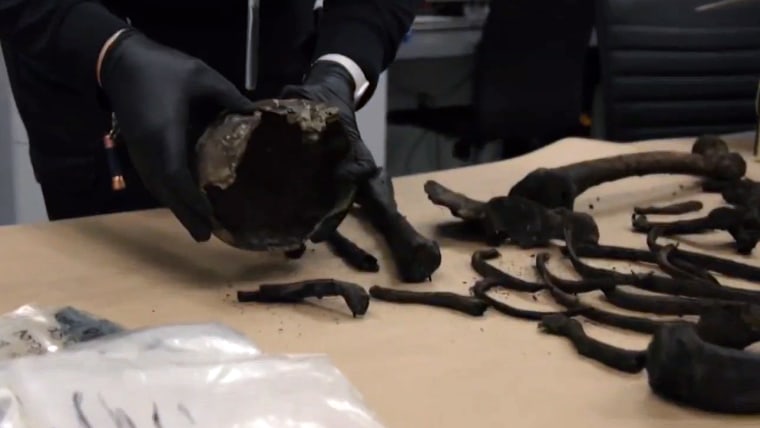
[{"x": 423, "y": 259}]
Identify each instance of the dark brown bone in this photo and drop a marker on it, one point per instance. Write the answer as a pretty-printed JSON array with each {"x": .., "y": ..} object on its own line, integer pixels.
[
  {"x": 706, "y": 296},
  {"x": 481, "y": 288},
  {"x": 736, "y": 192},
  {"x": 558, "y": 187},
  {"x": 681, "y": 365},
  {"x": 733, "y": 325},
  {"x": 671, "y": 209},
  {"x": 416, "y": 256},
  {"x": 276, "y": 192},
  {"x": 466, "y": 304},
  {"x": 653, "y": 304},
  {"x": 356, "y": 296},
  {"x": 744, "y": 193},
  {"x": 351, "y": 253},
  {"x": 518, "y": 220},
  {"x": 479, "y": 263},
  {"x": 678, "y": 269},
  {"x": 686, "y": 369},
  {"x": 530, "y": 225},
  {"x": 658, "y": 304},
  {"x": 459, "y": 204},
  {"x": 674, "y": 266},
  {"x": 611, "y": 356},
  {"x": 743, "y": 227},
  {"x": 726, "y": 267},
  {"x": 632, "y": 323},
  {"x": 496, "y": 278},
  {"x": 709, "y": 145},
  {"x": 719, "y": 218},
  {"x": 659, "y": 284}
]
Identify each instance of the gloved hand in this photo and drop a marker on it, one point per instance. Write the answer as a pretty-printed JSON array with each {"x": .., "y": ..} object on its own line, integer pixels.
[
  {"x": 330, "y": 83},
  {"x": 163, "y": 99}
]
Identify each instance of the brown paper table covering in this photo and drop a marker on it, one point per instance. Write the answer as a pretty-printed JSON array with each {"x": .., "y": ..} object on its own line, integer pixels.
[{"x": 416, "y": 366}]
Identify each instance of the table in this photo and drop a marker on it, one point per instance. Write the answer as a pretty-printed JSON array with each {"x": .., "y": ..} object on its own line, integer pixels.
[{"x": 416, "y": 366}]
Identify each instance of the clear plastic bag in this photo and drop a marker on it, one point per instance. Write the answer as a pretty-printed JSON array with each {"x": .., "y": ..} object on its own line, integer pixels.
[
  {"x": 263, "y": 391},
  {"x": 30, "y": 330},
  {"x": 199, "y": 375},
  {"x": 185, "y": 343},
  {"x": 10, "y": 411}
]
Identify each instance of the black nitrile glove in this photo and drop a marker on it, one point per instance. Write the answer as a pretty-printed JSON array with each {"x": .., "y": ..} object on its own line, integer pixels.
[
  {"x": 163, "y": 99},
  {"x": 331, "y": 83}
]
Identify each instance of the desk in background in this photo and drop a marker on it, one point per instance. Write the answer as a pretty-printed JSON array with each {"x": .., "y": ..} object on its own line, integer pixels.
[
  {"x": 434, "y": 63},
  {"x": 431, "y": 38},
  {"x": 435, "y": 37}
]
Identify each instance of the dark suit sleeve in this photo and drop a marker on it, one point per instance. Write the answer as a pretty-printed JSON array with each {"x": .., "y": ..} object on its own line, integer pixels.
[
  {"x": 65, "y": 34},
  {"x": 367, "y": 31}
]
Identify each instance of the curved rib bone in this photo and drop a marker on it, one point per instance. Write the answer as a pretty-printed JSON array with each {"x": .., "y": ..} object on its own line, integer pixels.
[
  {"x": 558, "y": 187},
  {"x": 466, "y": 304}
]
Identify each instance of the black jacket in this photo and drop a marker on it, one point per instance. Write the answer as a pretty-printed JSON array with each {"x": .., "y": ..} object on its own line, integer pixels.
[
  {"x": 51, "y": 49},
  {"x": 70, "y": 33}
]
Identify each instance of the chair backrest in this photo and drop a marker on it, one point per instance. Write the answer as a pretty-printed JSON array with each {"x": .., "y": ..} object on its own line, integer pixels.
[
  {"x": 529, "y": 66},
  {"x": 669, "y": 71}
]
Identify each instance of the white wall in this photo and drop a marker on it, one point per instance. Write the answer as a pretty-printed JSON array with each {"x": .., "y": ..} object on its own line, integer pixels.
[
  {"x": 21, "y": 200},
  {"x": 7, "y": 211},
  {"x": 371, "y": 120}
]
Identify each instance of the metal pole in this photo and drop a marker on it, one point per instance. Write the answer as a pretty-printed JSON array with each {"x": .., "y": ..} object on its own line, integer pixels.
[{"x": 252, "y": 46}]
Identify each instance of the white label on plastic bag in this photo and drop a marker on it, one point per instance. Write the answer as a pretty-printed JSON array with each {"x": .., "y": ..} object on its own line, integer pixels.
[{"x": 28, "y": 331}]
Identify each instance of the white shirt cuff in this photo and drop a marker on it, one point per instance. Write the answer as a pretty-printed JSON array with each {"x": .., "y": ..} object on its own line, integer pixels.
[{"x": 360, "y": 80}]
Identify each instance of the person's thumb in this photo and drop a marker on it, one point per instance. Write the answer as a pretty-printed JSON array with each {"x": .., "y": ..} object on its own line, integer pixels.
[{"x": 181, "y": 193}]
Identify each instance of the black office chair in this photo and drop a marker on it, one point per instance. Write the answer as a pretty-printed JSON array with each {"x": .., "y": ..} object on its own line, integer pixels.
[
  {"x": 529, "y": 83},
  {"x": 669, "y": 71}
]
